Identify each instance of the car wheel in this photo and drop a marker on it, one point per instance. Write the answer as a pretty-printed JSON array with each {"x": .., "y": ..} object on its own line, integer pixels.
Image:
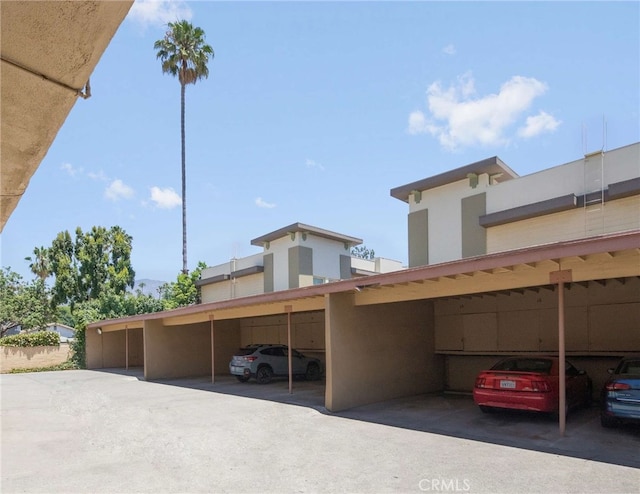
[
  {"x": 264, "y": 375},
  {"x": 607, "y": 421},
  {"x": 486, "y": 409},
  {"x": 242, "y": 379},
  {"x": 313, "y": 372}
]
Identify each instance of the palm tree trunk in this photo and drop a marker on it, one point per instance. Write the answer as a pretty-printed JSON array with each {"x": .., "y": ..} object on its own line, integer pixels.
[{"x": 185, "y": 269}]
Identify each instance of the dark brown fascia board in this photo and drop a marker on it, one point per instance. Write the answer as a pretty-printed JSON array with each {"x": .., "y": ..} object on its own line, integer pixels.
[
  {"x": 234, "y": 274},
  {"x": 492, "y": 166},
  {"x": 626, "y": 188},
  {"x": 302, "y": 228},
  {"x": 213, "y": 279},
  {"x": 614, "y": 242},
  {"x": 362, "y": 272},
  {"x": 618, "y": 190},
  {"x": 247, "y": 271},
  {"x": 527, "y": 211}
]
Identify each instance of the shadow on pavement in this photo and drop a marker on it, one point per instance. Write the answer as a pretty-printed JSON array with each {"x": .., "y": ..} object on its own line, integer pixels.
[{"x": 453, "y": 415}]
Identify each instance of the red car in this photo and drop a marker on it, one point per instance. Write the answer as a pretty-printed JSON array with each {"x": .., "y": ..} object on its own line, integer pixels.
[{"x": 530, "y": 383}]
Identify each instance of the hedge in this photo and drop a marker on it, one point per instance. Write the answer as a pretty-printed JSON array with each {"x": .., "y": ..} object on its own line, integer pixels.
[{"x": 39, "y": 338}]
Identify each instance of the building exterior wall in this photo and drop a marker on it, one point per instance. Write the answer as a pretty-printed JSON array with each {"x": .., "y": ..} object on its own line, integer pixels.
[
  {"x": 136, "y": 347},
  {"x": 614, "y": 216},
  {"x": 93, "y": 349},
  {"x": 12, "y": 357},
  {"x": 226, "y": 342},
  {"x": 444, "y": 221},
  {"x": 176, "y": 351},
  {"x": 418, "y": 226},
  {"x": 379, "y": 352},
  {"x": 113, "y": 349},
  {"x": 300, "y": 263},
  {"x": 617, "y": 165},
  {"x": 474, "y": 236},
  {"x": 307, "y": 331},
  {"x": 600, "y": 322}
]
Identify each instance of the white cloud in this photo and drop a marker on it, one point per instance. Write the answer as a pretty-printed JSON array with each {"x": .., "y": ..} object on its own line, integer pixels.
[
  {"x": 165, "y": 198},
  {"x": 460, "y": 118},
  {"x": 98, "y": 176},
  {"x": 449, "y": 50},
  {"x": 70, "y": 169},
  {"x": 542, "y": 122},
  {"x": 312, "y": 164},
  {"x": 418, "y": 123},
  {"x": 263, "y": 204},
  {"x": 159, "y": 12},
  {"x": 118, "y": 190}
]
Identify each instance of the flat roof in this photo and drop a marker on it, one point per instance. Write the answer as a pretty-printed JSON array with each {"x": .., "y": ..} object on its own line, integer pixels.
[
  {"x": 302, "y": 228},
  {"x": 492, "y": 166}
]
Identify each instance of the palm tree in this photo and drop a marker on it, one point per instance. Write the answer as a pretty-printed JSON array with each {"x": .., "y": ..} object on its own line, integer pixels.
[
  {"x": 185, "y": 54},
  {"x": 40, "y": 264}
]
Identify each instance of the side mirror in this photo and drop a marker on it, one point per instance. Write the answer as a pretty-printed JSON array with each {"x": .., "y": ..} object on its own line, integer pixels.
[
  {"x": 610, "y": 371},
  {"x": 581, "y": 373}
]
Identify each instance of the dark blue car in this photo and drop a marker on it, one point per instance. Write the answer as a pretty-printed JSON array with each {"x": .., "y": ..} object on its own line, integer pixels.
[{"x": 620, "y": 399}]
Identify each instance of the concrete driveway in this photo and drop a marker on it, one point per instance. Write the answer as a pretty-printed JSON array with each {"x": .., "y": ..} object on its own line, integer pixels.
[{"x": 94, "y": 432}]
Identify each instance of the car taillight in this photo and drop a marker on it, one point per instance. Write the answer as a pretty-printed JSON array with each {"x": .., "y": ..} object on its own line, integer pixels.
[
  {"x": 480, "y": 382},
  {"x": 540, "y": 386},
  {"x": 250, "y": 358},
  {"x": 614, "y": 386}
]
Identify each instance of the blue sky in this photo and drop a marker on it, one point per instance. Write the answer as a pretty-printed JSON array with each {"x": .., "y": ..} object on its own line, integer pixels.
[{"x": 312, "y": 112}]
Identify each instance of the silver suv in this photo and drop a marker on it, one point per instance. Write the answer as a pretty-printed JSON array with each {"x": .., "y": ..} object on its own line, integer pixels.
[{"x": 265, "y": 361}]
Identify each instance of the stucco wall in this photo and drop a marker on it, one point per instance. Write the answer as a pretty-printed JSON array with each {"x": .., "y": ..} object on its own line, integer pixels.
[
  {"x": 177, "y": 351},
  {"x": 615, "y": 216},
  {"x": 307, "y": 330},
  {"x": 380, "y": 352},
  {"x": 227, "y": 342},
  {"x": 601, "y": 323},
  {"x": 33, "y": 357}
]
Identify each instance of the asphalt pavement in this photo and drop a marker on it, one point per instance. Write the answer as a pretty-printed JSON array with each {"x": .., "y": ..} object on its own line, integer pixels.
[{"x": 112, "y": 432}]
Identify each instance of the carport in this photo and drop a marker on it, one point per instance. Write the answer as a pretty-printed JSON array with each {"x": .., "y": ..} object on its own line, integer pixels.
[{"x": 395, "y": 334}]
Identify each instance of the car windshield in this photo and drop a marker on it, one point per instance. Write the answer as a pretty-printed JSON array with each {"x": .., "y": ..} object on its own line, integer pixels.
[
  {"x": 629, "y": 367},
  {"x": 542, "y": 366}
]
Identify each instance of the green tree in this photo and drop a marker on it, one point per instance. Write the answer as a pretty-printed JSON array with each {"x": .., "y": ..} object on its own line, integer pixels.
[
  {"x": 24, "y": 304},
  {"x": 184, "y": 54},
  {"x": 40, "y": 265},
  {"x": 363, "y": 252},
  {"x": 183, "y": 291},
  {"x": 97, "y": 260}
]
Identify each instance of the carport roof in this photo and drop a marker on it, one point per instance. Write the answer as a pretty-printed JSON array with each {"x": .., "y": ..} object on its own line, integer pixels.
[
  {"x": 49, "y": 50},
  {"x": 596, "y": 258}
]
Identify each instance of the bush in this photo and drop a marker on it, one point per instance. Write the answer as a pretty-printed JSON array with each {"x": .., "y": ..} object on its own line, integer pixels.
[
  {"x": 78, "y": 347},
  {"x": 39, "y": 338}
]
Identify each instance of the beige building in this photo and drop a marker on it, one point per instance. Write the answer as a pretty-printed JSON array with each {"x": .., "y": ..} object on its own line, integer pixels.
[
  {"x": 432, "y": 326},
  {"x": 294, "y": 256}
]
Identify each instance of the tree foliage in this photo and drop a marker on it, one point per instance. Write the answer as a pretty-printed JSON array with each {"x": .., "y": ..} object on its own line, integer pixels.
[
  {"x": 363, "y": 252},
  {"x": 40, "y": 265},
  {"x": 183, "y": 291},
  {"x": 96, "y": 261},
  {"x": 24, "y": 304},
  {"x": 38, "y": 338}
]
